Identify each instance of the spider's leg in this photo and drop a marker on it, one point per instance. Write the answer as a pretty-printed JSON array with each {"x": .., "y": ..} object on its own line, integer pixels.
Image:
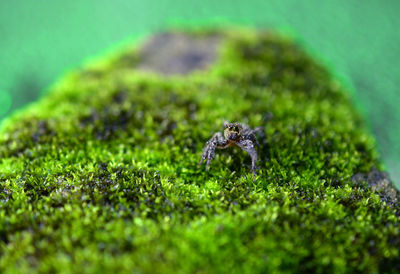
[
  {"x": 217, "y": 141},
  {"x": 205, "y": 153},
  {"x": 248, "y": 146}
]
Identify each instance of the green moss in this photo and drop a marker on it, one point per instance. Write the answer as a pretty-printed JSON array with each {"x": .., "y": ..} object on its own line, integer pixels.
[{"x": 101, "y": 174}]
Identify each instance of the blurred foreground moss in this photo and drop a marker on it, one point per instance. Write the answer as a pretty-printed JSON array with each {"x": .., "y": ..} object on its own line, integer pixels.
[{"x": 101, "y": 174}]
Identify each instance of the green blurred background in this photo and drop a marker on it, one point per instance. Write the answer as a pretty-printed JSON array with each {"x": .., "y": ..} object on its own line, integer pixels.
[{"x": 358, "y": 40}]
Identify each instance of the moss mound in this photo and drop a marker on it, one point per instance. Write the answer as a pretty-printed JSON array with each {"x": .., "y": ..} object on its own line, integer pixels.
[{"x": 101, "y": 175}]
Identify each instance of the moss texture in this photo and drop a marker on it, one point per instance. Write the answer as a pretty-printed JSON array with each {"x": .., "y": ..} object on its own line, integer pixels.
[{"x": 101, "y": 174}]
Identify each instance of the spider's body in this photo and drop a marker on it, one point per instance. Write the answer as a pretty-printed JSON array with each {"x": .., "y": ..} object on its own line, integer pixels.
[{"x": 235, "y": 134}]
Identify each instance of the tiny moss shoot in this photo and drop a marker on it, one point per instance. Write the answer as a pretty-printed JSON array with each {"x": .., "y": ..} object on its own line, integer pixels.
[{"x": 101, "y": 174}]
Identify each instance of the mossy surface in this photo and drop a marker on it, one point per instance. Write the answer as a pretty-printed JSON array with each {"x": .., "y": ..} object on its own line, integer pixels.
[{"x": 101, "y": 175}]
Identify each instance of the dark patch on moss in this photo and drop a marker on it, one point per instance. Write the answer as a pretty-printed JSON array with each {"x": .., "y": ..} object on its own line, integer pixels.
[
  {"x": 166, "y": 129},
  {"x": 112, "y": 122},
  {"x": 189, "y": 105},
  {"x": 120, "y": 97},
  {"x": 33, "y": 133},
  {"x": 43, "y": 129},
  {"x": 109, "y": 121},
  {"x": 380, "y": 183},
  {"x": 177, "y": 53},
  {"x": 5, "y": 193}
]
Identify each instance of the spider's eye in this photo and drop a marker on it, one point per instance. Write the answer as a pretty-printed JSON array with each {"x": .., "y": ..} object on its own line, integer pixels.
[
  {"x": 236, "y": 129},
  {"x": 230, "y": 127}
]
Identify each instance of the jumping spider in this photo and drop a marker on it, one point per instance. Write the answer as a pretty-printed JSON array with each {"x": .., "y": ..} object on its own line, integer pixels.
[{"x": 235, "y": 134}]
